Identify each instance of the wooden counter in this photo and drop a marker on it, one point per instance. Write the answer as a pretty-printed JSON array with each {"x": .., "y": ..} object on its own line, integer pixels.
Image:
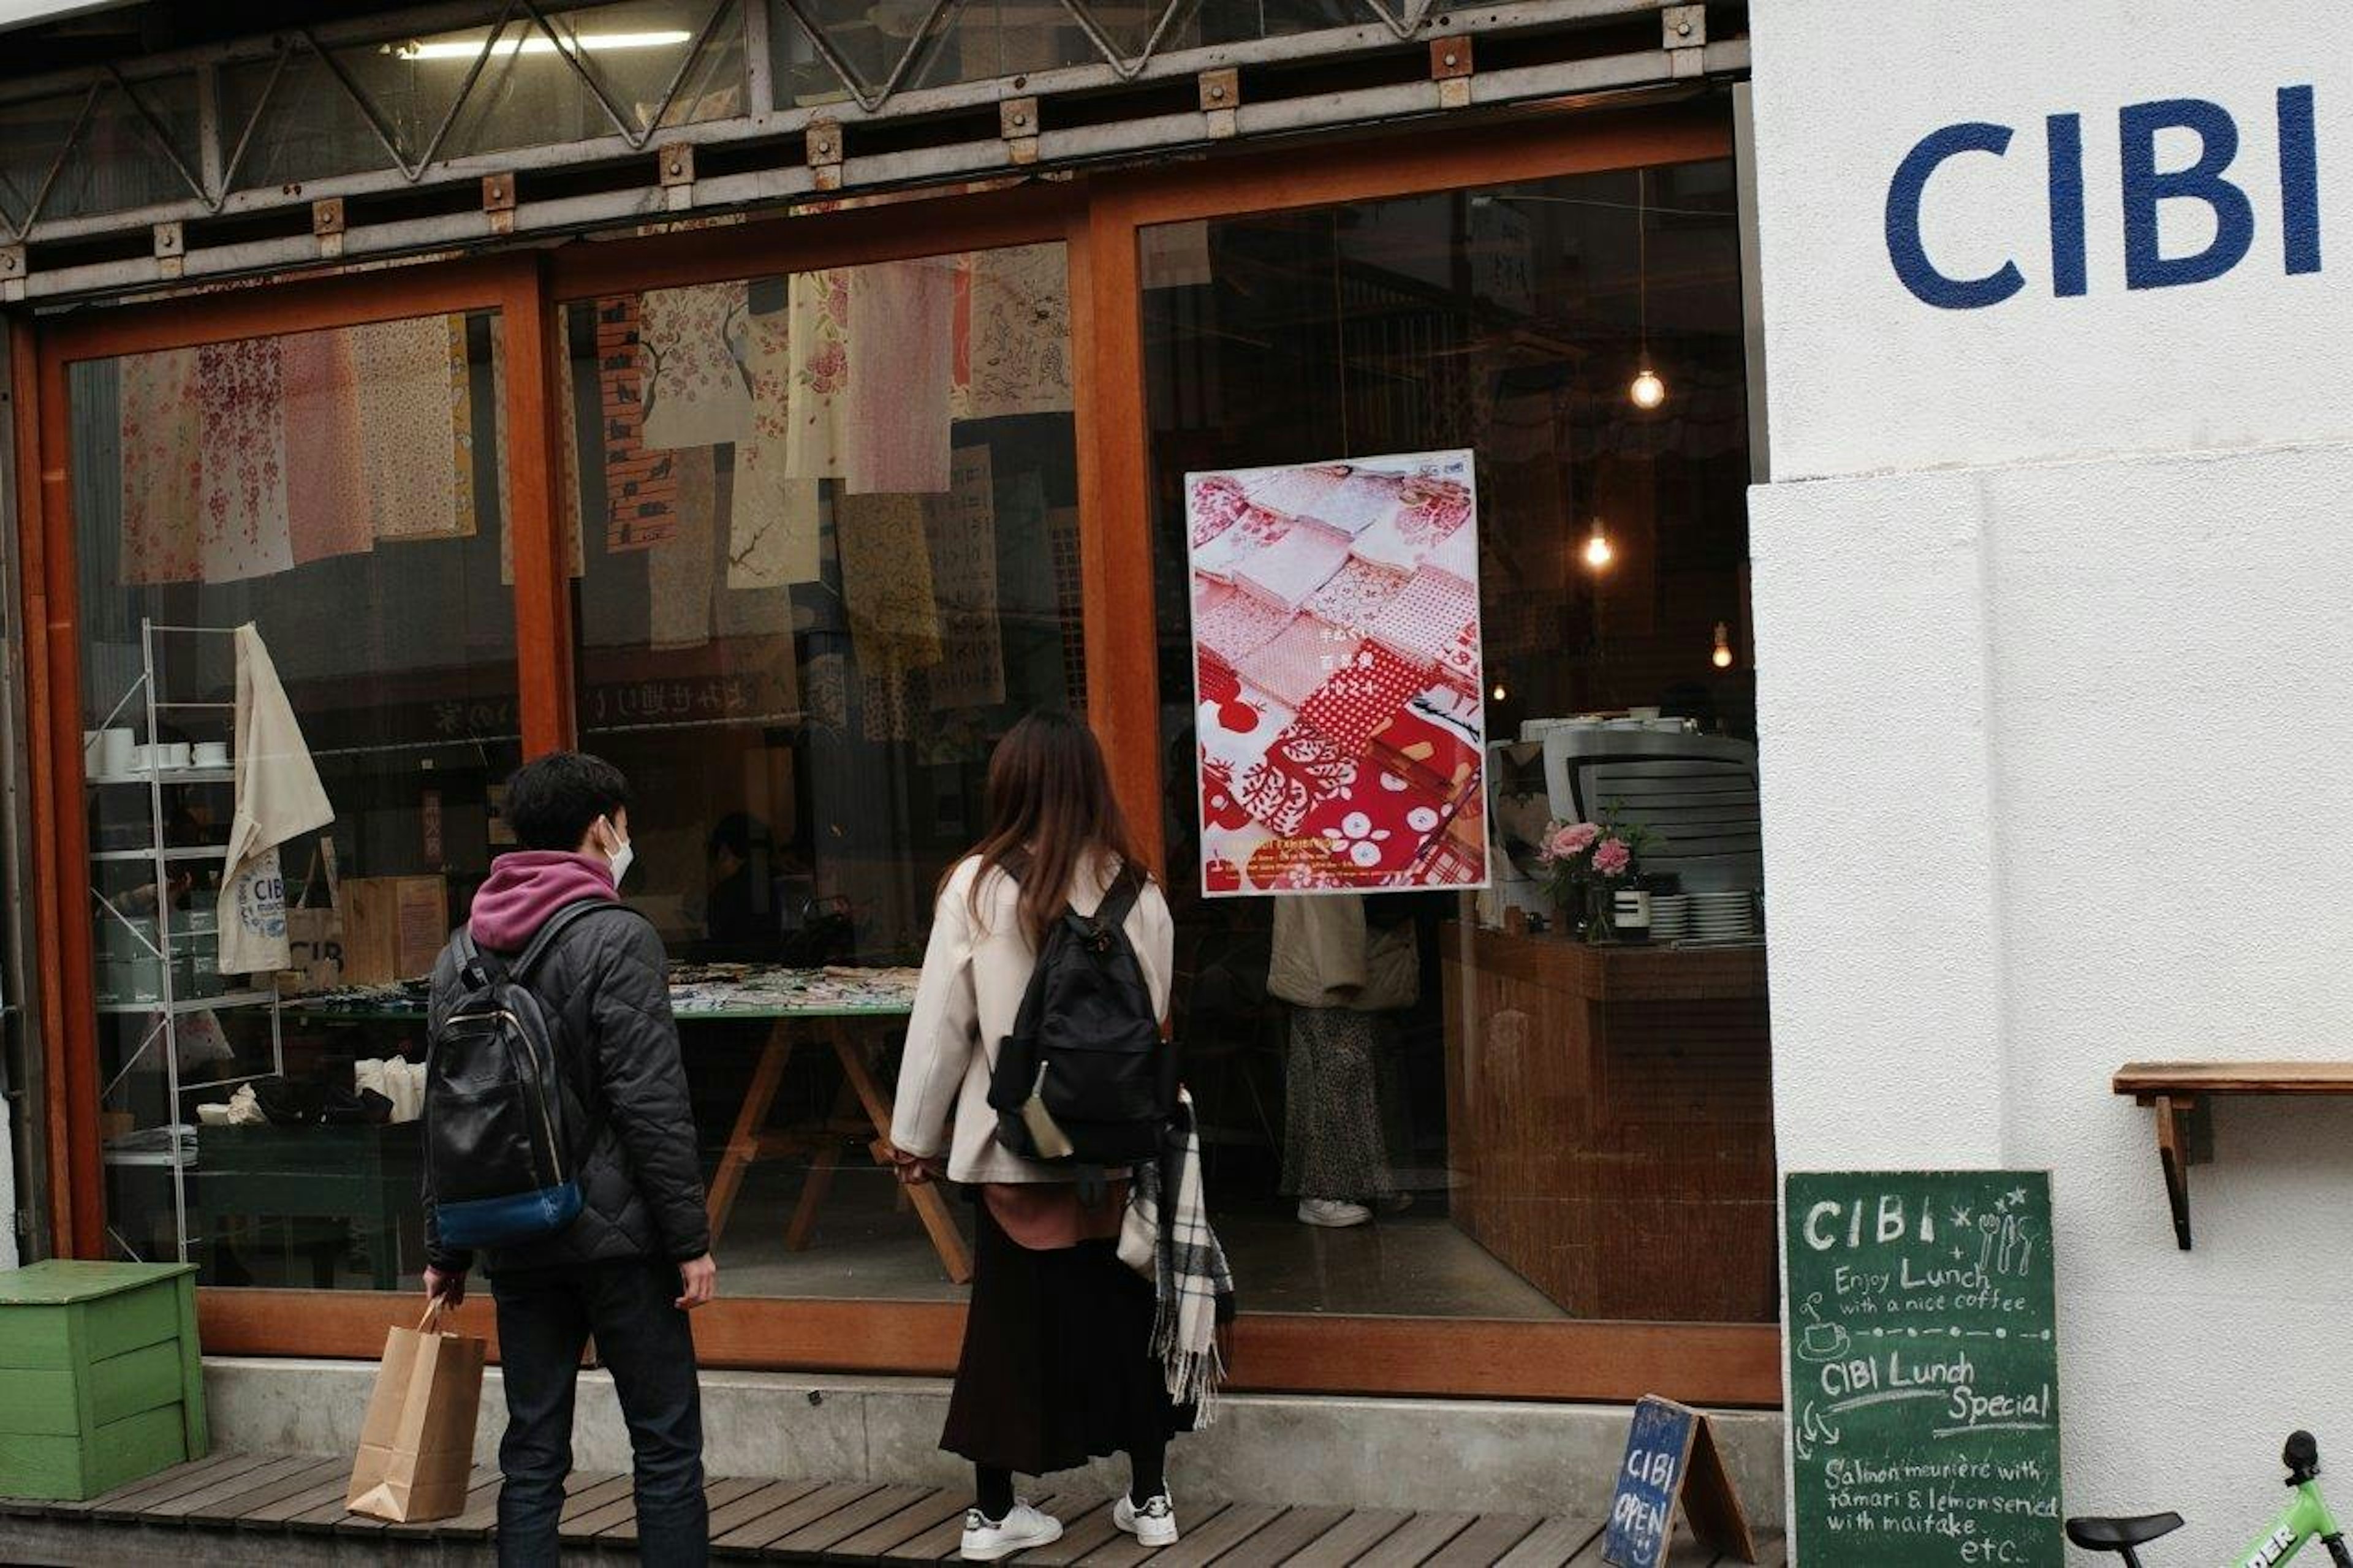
[{"x": 1611, "y": 1117}]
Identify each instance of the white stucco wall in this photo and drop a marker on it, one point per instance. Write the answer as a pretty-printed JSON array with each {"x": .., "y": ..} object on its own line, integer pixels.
[{"x": 2051, "y": 602}]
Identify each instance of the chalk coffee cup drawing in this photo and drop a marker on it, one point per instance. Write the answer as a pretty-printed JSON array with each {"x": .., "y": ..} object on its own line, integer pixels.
[{"x": 1820, "y": 1340}]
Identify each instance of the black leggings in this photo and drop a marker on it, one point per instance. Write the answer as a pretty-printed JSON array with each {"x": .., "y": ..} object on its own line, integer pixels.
[{"x": 1148, "y": 1467}]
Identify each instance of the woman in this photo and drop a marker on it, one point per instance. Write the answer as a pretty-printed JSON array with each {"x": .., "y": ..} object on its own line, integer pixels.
[{"x": 1058, "y": 1364}]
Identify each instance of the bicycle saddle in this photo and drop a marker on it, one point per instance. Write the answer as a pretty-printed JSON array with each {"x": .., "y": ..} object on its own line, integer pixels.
[{"x": 2121, "y": 1534}]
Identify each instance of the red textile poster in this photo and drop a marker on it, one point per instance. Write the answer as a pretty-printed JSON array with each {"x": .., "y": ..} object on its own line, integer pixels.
[{"x": 1337, "y": 676}]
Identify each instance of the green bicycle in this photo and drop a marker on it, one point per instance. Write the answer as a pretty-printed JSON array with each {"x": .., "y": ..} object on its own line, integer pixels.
[{"x": 2300, "y": 1522}]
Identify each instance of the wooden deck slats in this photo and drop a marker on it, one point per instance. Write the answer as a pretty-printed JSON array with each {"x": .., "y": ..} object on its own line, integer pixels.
[
  {"x": 303, "y": 1477},
  {"x": 1282, "y": 1539},
  {"x": 327, "y": 1487},
  {"x": 481, "y": 1515},
  {"x": 757, "y": 1503},
  {"x": 1485, "y": 1541},
  {"x": 812, "y": 1539},
  {"x": 1423, "y": 1536},
  {"x": 1553, "y": 1544},
  {"x": 1350, "y": 1538},
  {"x": 1200, "y": 1548},
  {"x": 853, "y": 1523},
  {"x": 927, "y": 1513},
  {"x": 136, "y": 1502},
  {"x": 826, "y": 1499}
]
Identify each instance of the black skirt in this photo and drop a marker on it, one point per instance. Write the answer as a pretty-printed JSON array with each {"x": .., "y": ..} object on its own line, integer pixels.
[{"x": 1056, "y": 1366}]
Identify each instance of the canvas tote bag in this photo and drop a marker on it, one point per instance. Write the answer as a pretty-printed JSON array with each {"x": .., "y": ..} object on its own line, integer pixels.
[
  {"x": 314, "y": 936},
  {"x": 416, "y": 1448}
]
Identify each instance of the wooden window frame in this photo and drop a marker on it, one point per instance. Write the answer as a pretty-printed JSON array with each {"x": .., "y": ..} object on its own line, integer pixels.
[
  {"x": 512, "y": 286},
  {"x": 1099, "y": 219}
]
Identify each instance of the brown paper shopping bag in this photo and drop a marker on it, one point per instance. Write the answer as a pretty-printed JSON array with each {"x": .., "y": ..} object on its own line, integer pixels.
[{"x": 416, "y": 1448}]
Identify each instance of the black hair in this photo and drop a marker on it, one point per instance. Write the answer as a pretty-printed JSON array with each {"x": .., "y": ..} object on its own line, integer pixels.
[
  {"x": 551, "y": 800},
  {"x": 736, "y": 833}
]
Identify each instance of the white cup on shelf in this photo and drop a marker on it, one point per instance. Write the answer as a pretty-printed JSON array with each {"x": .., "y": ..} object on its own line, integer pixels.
[
  {"x": 117, "y": 753},
  {"x": 212, "y": 754},
  {"x": 172, "y": 754}
]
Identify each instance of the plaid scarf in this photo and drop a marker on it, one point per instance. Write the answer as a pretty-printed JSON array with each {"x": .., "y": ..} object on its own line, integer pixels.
[{"x": 1171, "y": 1244}]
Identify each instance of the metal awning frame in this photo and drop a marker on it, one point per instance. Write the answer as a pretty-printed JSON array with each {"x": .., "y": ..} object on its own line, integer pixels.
[{"x": 802, "y": 152}]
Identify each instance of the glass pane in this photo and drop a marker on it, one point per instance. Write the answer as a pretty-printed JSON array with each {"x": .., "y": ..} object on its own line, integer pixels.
[
  {"x": 118, "y": 163},
  {"x": 1432, "y": 1101},
  {"x": 827, "y": 553},
  {"x": 343, "y": 493},
  {"x": 524, "y": 95},
  {"x": 309, "y": 127},
  {"x": 530, "y": 95}
]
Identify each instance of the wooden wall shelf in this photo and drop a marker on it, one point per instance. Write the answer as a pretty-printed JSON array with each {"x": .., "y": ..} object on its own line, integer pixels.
[{"x": 2181, "y": 1093}]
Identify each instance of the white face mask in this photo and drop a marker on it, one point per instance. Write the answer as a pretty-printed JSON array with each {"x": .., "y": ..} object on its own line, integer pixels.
[{"x": 623, "y": 855}]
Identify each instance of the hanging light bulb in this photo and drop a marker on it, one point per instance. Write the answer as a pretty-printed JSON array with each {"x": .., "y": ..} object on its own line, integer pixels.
[
  {"x": 1646, "y": 390},
  {"x": 1597, "y": 552},
  {"x": 1500, "y": 692},
  {"x": 1721, "y": 657}
]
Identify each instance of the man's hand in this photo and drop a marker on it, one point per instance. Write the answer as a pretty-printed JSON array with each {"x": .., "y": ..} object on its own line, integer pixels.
[
  {"x": 700, "y": 1279},
  {"x": 449, "y": 1288}
]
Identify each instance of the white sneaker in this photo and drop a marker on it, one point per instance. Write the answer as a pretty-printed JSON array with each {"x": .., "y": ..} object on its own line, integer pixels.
[
  {"x": 1153, "y": 1524},
  {"x": 1330, "y": 1214},
  {"x": 1020, "y": 1531}
]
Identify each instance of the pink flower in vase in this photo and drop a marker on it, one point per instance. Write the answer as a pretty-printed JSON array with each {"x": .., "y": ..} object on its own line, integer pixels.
[
  {"x": 1567, "y": 842},
  {"x": 1611, "y": 857}
]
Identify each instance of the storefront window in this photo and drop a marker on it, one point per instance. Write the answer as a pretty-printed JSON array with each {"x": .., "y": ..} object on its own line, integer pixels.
[
  {"x": 1438, "y": 1102},
  {"x": 343, "y": 493},
  {"x": 825, "y": 537}
]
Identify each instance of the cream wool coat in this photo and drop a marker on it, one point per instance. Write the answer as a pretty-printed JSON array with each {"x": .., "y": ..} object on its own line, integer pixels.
[{"x": 974, "y": 974}]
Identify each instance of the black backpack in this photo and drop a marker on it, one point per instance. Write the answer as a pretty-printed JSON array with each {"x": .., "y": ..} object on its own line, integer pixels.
[
  {"x": 499, "y": 1141},
  {"x": 1084, "y": 1079}
]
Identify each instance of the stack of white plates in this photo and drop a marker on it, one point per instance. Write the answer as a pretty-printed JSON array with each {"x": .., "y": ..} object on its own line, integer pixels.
[
  {"x": 1723, "y": 916},
  {"x": 1669, "y": 916}
]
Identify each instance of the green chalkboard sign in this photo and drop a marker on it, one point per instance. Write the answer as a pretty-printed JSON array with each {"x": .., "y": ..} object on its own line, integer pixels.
[{"x": 1924, "y": 1369}]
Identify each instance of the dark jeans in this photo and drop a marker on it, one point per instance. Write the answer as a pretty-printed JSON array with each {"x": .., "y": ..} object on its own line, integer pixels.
[{"x": 545, "y": 1318}]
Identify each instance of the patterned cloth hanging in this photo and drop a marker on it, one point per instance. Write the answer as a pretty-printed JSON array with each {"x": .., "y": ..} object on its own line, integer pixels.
[
  {"x": 159, "y": 427},
  {"x": 691, "y": 342},
  {"x": 901, "y": 350},
  {"x": 241, "y": 520},
  {"x": 772, "y": 514},
  {"x": 406, "y": 425},
  {"x": 816, "y": 399},
  {"x": 640, "y": 486},
  {"x": 327, "y": 492},
  {"x": 1012, "y": 333}
]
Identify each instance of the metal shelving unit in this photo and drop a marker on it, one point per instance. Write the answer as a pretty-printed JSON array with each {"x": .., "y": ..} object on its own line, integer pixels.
[{"x": 173, "y": 935}]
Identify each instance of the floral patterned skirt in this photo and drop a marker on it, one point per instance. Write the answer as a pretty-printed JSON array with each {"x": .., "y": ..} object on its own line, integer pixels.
[{"x": 1332, "y": 1144}]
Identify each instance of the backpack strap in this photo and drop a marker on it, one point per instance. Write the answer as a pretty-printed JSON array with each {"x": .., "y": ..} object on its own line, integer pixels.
[
  {"x": 1119, "y": 899},
  {"x": 555, "y": 925}
]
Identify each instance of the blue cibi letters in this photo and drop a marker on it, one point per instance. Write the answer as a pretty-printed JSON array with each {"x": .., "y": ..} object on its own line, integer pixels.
[{"x": 2142, "y": 187}]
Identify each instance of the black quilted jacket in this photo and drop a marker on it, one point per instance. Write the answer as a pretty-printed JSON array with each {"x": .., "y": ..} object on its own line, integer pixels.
[{"x": 605, "y": 984}]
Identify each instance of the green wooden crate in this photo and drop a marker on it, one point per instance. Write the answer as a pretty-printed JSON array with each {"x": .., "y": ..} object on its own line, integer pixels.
[{"x": 101, "y": 1381}]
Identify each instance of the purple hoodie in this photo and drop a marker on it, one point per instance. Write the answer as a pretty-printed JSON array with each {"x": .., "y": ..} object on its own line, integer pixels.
[{"x": 527, "y": 887}]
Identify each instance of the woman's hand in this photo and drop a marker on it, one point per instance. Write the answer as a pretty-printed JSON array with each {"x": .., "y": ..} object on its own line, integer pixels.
[{"x": 916, "y": 1170}]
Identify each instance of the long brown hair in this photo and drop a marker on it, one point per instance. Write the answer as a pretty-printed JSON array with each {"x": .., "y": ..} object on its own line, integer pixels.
[{"x": 1050, "y": 810}]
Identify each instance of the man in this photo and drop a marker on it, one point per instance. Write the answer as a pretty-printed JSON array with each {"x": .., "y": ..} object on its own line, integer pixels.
[
  {"x": 740, "y": 918},
  {"x": 638, "y": 1258}
]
